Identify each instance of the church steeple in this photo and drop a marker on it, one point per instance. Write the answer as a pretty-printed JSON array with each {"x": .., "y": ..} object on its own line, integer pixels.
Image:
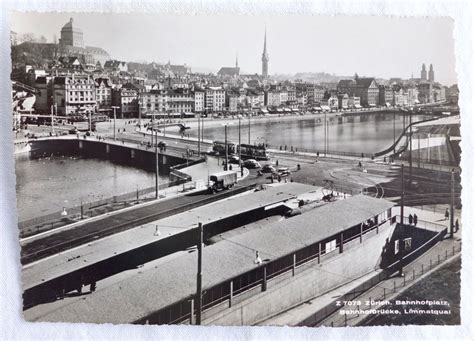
[
  {"x": 265, "y": 58},
  {"x": 236, "y": 60}
]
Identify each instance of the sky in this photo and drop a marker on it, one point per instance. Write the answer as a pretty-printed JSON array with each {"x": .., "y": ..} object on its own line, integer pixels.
[{"x": 375, "y": 46}]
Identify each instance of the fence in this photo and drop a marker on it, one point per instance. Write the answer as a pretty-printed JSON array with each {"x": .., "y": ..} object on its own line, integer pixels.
[
  {"x": 384, "y": 291},
  {"x": 91, "y": 209},
  {"x": 254, "y": 281},
  {"x": 426, "y": 225}
]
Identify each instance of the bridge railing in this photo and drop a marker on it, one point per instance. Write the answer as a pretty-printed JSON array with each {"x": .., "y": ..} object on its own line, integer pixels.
[{"x": 91, "y": 209}]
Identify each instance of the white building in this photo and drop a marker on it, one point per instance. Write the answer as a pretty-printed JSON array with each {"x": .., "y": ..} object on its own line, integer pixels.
[{"x": 215, "y": 99}]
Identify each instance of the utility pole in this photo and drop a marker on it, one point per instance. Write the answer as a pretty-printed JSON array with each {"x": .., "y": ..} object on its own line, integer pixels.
[
  {"x": 411, "y": 149},
  {"x": 451, "y": 222},
  {"x": 199, "y": 277},
  {"x": 419, "y": 150},
  {"x": 115, "y": 117},
  {"x": 400, "y": 241},
  {"x": 157, "y": 164},
  {"x": 325, "y": 134},
  {"x": 199, "y": 137},
  {"x": 394, "y": 132},
  {"x": 249, "y": 127},
  {"x": 226, "y": 166},
  {"x": 52, "y": 118},
  {"x": 240, "y": 155}
]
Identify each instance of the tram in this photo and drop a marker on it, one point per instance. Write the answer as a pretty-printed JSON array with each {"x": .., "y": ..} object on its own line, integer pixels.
[{"x": 257, "y": 152}]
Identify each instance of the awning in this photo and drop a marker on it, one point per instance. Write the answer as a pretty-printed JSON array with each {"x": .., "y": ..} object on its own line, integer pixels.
[
  {"x": 264, "y": 111},
  {"x": 279, "y": 110},
  {"x": 287, "y": 110},
  {"x": 325, "y": 107},
  {"x": 317, "y": 108},
  {"x": 358, "y": 106}
]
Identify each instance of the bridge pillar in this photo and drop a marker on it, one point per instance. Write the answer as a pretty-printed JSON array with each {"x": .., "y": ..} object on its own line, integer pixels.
[
  {"x": 164, "y": 160},
  {"x": 107, "y": 148},
  {"x": 81, "y": 144},
  {"x": 132, "y": 153}
]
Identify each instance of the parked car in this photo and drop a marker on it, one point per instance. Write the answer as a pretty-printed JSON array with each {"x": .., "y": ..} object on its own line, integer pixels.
[
  {"x": 234, "y": 159},
  {"x": 284, "y": 171},
  {"x": 251, "y": 163},
  {"x": 268, "y": 169}
]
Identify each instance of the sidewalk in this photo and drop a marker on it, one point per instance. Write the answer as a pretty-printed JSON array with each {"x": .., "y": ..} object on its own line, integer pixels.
[{"x": 437, "y": 256}]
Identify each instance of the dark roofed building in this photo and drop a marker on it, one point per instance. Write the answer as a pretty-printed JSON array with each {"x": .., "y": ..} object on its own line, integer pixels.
[
  {"x": 229, "y": 71},
  {"x": 115, "y": 66}
]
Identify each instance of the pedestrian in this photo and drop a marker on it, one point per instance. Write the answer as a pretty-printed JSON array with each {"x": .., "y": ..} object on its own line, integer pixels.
[
  {"x": 446, "y": 214},
  {"x": 360, "y": 164},
  {"x": 415, "y": 219},
  {"x": 276, "y": 163},
  {"x": 410, "y": 219},
  {"x": 457, "y": 225}
]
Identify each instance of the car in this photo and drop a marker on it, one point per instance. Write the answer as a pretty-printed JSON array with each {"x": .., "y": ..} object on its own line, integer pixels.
[
  {"x": 251, "y": 163},
  {"x": 234, "y": 159},
  {"x": 284, "y": 171},
  {"x": 268, "y": 169}
]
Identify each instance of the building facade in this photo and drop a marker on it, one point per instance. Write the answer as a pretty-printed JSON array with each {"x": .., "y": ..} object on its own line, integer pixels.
[{"x": 215, "y": 99}]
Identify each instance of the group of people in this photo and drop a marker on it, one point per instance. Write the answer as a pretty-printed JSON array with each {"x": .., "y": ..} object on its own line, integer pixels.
[{"x": 413, "y": 219}]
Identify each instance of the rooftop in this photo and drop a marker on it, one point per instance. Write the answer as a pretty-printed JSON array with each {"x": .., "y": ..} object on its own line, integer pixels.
[{"x": 139, "y": 296}]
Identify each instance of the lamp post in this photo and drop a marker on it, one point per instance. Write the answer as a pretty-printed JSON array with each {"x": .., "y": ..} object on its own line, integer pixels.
[
  {"x": 240, "y": 154},
  {"x": 226, "y": 166},
  {"x": 115, "y": 118},
  {"x": 199, "y": 136},
  {"x": 451, "y": 222},
  {"x": 157, "y": 163},
  {"x": 199, "y": 277},
  {"x": 249, "y": 127},
  {"x": 400, "y": 241}
]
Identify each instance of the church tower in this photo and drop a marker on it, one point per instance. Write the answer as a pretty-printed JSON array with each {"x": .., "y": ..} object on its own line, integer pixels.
[
  {"x": 265, "y": 58},
  {"x": 236, "y": 60},
  {"x": 423, "y": 72},
  {"x": 431, "y": 74}
]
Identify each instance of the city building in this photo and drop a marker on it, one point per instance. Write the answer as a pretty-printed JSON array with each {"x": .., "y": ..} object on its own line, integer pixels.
[
  {"x": 232, "y": 100},
  {"x": 215, "y": 99},
  {"x": 180, "y": 101},
  {"x": 272, "y": 98},
  {"x": 425, "y": 92},
  {"x": 127, "y": 101},
  {"x": 199, "y": 96},
  {"x": 265, "y": 58},
  {"x": 73, "y": 95},
  {"x": 343, "y": 100},
  {"x": 385, "y": 95},
  {"x": 232, "y": 72},
  {"x": 365, "y": 88},
  {"x": 255, "y": 98},
  {"x": 71, "y": 35},
  {"x": 115, "y": 66},
  {"x": 103, "y": 94}
]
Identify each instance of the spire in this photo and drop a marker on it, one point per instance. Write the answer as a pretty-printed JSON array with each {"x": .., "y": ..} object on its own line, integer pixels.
[
  {"x": 236, "y": 60},
  {"x": 265, "y": 42}
]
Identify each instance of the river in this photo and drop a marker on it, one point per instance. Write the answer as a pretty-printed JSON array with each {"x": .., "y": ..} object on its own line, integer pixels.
[
  {"x": 46, "y": 185},
  {"x": 362, "y": 133}
]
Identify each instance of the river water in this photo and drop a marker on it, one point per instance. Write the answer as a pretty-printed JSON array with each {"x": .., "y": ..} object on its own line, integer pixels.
[
  {"x": 46, "y": 185},
  {"x": 361, "y": 133}
]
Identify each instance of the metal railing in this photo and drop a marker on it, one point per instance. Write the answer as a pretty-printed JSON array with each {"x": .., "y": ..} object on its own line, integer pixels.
[
  {"x": 301, "y": 258},
  {"x": 381, "y": 292},
  {"x": 91, "y": 209}
]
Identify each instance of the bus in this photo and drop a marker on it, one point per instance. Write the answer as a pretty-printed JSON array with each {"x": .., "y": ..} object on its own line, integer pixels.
[
  {"x": 257, "y": 152},
  {"x": 218, "y": 148}
]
